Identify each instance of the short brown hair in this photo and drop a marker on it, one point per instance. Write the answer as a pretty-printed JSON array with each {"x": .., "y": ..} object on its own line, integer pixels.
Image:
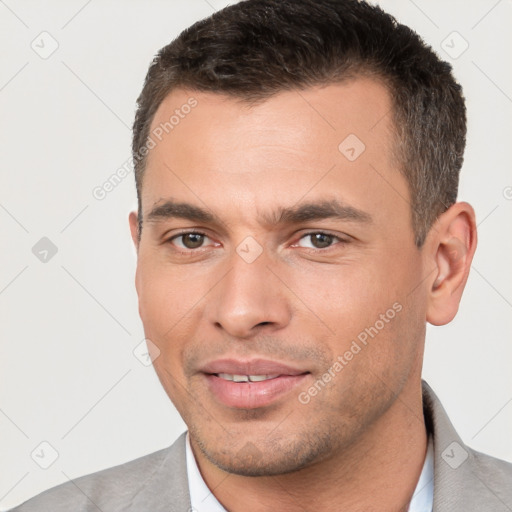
[{"x": 257, "y": 48}]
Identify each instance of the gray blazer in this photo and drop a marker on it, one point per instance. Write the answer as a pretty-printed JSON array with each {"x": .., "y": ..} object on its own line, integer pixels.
[{"x": 464, "y": 480}]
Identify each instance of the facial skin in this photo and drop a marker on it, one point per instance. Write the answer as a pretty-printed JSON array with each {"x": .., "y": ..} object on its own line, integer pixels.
[{"x": 303, "y": 301}]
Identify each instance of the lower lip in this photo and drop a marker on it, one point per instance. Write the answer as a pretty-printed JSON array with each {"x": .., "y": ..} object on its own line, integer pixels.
[{"x": 251, "y": 395}]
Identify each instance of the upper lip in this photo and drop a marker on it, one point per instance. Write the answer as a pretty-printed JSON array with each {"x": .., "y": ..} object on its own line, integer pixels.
[{"x": 250, "y": 367}]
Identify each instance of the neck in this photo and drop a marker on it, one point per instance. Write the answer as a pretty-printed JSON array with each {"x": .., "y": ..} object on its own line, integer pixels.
[{"x": 378, "y": 472}]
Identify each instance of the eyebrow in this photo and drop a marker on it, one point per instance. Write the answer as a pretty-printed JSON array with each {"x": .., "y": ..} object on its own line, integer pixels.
[{"x": 304, "y": 212}]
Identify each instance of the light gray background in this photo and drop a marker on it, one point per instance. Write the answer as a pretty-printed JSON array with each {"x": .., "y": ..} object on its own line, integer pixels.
[{"x": 69, "y": 326}]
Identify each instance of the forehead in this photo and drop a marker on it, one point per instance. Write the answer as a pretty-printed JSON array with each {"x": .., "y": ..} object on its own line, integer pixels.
[
  {"x": 360, "y": 105},
  {"x": 212, "y": 148}
]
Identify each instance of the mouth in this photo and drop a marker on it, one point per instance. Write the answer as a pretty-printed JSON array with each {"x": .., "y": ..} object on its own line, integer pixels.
[
  {"x": 251, "y": 384},
  {"x": 245, "y": 378}
]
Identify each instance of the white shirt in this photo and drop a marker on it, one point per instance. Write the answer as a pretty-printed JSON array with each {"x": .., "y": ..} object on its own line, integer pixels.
[{"x": 203, "y": 500}]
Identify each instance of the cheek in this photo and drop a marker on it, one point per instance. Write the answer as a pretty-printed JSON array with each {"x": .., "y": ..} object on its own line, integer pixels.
[
  {"x": 346, "y": 297},
  {"x": 369, "y": 304},
  {"x": 166, "y": 295},
  {"x": 164, "y": 303},
  {"x": 163, "y": 310}
]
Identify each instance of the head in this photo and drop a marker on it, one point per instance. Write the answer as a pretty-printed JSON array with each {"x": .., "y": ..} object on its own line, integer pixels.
[{"x": 296, "y": 167}]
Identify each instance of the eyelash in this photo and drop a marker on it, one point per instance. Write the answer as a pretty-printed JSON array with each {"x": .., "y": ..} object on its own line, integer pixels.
[{"x": 195, "y": 251}]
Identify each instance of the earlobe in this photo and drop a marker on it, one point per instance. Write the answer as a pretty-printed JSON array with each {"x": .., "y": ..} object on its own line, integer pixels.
[{"x": 452, "y": 246}]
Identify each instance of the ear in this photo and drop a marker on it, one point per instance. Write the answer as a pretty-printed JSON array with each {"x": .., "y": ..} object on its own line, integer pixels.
[
  {"x": 451, "y": 244},
  {"x": 134, "y": 229}
]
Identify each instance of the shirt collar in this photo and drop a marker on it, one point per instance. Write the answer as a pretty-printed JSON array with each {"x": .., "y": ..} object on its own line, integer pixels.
[
  {"x": 201, "y": 498},
  {"x": 423, "y": 497}
]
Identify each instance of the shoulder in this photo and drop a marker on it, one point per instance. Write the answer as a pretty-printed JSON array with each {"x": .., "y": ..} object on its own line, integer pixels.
[
  {"x": 495, "y": 474},
  {"x": 464, "y": 479},
  {"x": 481, "y": 483},
  {"x": 118, "y": 488}
]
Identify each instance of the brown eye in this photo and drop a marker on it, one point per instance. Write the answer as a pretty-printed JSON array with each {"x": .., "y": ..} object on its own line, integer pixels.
[
  {"x": 317, "y": 240},
  {"x": 189, "y": 240}
]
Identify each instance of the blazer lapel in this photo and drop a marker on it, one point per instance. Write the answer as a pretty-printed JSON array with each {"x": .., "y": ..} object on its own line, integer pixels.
[
  {"x": 167, "y": 488},
  {"x": 463, "y": 478}
]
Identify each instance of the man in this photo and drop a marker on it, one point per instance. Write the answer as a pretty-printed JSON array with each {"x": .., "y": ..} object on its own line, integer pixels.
[{"x": 297, "y": 169}]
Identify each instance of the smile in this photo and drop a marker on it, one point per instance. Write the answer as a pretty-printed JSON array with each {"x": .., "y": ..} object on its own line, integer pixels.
[
  {"x": 246, "y": 378},
  {"x": 252, "y": 391}
]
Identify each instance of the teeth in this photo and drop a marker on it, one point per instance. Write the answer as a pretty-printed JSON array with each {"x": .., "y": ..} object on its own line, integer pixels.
[
  {"x": 259, "y": 378},
  {"x": 246, "y": 378}
]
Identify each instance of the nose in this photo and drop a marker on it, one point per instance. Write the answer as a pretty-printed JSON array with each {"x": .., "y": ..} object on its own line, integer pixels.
[{"x": 249, "y": 298}]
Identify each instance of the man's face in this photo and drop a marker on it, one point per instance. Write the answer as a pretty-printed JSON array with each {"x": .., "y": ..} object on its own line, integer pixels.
[{"x": 328, "y": 307}]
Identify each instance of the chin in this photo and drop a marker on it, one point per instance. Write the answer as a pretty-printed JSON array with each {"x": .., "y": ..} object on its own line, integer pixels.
[{"x": 271, "y": 459}]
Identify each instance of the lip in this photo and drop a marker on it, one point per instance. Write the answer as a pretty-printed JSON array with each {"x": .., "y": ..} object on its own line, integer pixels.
[
  {"x": 251, "y": 395},
  {"x": 251, "y": 367}
]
